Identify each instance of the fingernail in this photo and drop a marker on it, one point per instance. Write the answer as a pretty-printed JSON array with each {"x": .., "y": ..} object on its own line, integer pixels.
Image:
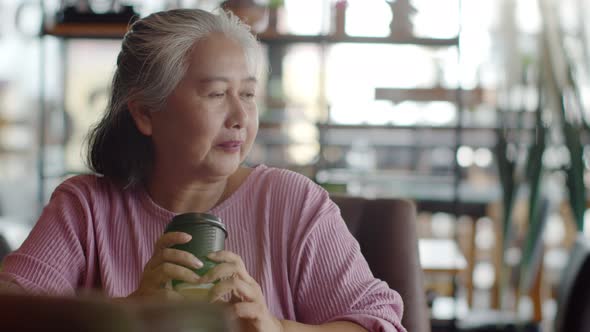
[
  {"x": 187, "y": 237},
  {"x": 196, "y": 277},
  {"x": 197, "y": 263}
]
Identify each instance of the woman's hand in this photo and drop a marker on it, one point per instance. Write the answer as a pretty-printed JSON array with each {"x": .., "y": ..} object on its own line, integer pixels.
[
  {"x": 241, "y": 291},
  {"x": 167, "y": 264}
]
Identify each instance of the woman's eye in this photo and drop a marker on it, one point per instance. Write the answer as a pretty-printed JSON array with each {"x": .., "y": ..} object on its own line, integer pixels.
[
  {"x": 248, "y": 95},
  {"x": 216, "y": 95}
]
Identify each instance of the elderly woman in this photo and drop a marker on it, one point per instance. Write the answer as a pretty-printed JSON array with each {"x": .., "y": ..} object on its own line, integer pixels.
[{"x": 181, "y": 120}]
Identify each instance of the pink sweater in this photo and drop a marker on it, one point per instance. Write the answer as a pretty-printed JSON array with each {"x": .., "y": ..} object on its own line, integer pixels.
[{"x": 286, "y": 229}]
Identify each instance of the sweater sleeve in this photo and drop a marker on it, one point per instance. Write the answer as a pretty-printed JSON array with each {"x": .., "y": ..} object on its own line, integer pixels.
[
  {"x": 334, "y": 281},
  {"x": 51, "y": 260}
]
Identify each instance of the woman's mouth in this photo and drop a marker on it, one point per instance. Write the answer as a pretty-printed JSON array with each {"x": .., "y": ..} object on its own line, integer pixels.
[{"x": 230, "y": 146}]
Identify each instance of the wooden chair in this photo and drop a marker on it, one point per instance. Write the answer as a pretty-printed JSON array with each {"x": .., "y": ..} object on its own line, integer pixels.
[
  {"x": 573, "y": 303},
  {"x": 386, "y": 232}
]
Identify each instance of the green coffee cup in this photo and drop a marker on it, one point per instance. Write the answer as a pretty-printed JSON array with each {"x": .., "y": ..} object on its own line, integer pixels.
[{"x": 208, "y": 235}]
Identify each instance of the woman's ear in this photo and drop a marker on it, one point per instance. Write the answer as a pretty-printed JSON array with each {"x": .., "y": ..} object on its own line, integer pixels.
[{"x": 141, "y": 116}]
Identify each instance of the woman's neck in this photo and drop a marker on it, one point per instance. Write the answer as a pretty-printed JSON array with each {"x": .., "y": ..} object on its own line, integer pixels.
[{"x": 178, "y": 195}]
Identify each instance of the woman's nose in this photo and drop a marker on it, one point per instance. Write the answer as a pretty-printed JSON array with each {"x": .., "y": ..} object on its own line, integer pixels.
[{"x": 238, "y": 116}]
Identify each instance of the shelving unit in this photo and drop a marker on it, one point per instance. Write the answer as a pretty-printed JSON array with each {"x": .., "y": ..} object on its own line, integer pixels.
[
  {"x": 275, "y": 42},
  {"x": 332, "y": 134}
]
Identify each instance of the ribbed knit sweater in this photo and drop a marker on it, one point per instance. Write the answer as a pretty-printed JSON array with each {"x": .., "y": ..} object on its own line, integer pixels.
[{"x": 290, "y": 235}]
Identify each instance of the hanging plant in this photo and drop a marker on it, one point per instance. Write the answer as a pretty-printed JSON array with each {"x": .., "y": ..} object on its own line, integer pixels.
[
  {"x": 507, "y": 172},
  {"x": 537, "y": 208},
  {"x": 276, "y": 3}
]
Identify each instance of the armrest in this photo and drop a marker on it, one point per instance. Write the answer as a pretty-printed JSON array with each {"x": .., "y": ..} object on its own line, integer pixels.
[{"x": 98, "y": 314}]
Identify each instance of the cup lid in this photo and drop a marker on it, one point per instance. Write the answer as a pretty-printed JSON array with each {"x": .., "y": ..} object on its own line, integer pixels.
[{"x": 198, "y": 218}]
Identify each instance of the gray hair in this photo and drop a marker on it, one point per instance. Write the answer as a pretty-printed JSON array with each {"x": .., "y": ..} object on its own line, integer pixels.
[{"x": 151, "y": 63}]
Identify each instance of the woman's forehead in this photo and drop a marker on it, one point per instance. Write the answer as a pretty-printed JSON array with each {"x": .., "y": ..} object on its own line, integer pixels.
[{"x": 219, "y": 56}]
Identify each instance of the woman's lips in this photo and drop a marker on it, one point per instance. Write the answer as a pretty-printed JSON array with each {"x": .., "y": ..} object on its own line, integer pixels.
[{"x": 230, "y": 146}]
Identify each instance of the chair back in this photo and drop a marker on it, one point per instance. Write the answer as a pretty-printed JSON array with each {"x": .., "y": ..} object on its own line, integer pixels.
[
  {"x": 573, "y": 302},
  {"x": 386, "y": 232},
  {"x": 4, "y": 248}
]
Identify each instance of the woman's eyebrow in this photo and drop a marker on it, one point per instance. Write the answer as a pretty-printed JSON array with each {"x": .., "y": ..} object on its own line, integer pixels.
[{"x": 211, "y": 79}]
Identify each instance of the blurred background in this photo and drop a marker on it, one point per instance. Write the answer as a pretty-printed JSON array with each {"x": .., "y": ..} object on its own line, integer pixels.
[{"x": 477, "y": 110}]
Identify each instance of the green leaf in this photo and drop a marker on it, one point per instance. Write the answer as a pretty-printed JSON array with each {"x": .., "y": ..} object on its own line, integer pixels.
[
  {"x": 537, "y": 213},
  {"x": 575, "y": 171},
  {"x": 506, "y": 170}
]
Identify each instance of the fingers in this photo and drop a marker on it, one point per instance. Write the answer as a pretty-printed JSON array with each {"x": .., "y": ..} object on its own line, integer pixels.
[
  {"x": 234, "y": 281},
  {"x": 229, "y": 265},
  {"x": 244, "y": 292},
  {"x": 226, "y": 271},
  {"x": 247, "y": 310},
  {"x": 162, "y": 267},
  {"x": 165, "y": 272},
  {"x": 175, "y": 256},
  {"x": 237, "y": 289},
  {"x": 226, "y": 256},
  {"x": 255, "y": 317},
  {"x": 172, "y": 238},
  {"x": 168, "y": 264},
  {"x": 162, "y": 252}
]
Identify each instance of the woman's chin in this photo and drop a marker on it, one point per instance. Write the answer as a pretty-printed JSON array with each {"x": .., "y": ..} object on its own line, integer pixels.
[{"x": 226, "y": 166}]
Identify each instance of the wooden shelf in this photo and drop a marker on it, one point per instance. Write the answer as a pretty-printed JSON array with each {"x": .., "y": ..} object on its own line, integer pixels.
[
  {"x": 12, "y": 122},
  {"x": 266, "y": 125},
  {"x": 11, "y": 151},
  {"x": 396, "y": 127},
  {"x": 117, "y": 30},
  {"x": 272, "y": 125},
  {"x": 470, "y": 97},
  {"x": 273, "y": 38},
  {"x": 88, "y": 30},
  {"x": 472, "y": 209},
  {"x": 394, "y": 136},
  {"x": 430, "y": 192}
]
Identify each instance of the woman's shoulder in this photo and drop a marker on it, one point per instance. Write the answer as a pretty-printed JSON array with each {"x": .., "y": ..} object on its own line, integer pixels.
[
  {"x": 290, "y": 187},
  {"x": 282, "y": 176},
  {"x": 88, "y": 185},
  {"x": 294, "y": 199}
]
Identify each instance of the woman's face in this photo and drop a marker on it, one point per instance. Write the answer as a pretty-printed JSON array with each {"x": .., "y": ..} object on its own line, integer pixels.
[{"x": 211, "y": 119}]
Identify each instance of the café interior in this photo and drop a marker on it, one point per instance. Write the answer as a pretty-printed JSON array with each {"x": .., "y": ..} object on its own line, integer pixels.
[{"x": 454, "y": 135}]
